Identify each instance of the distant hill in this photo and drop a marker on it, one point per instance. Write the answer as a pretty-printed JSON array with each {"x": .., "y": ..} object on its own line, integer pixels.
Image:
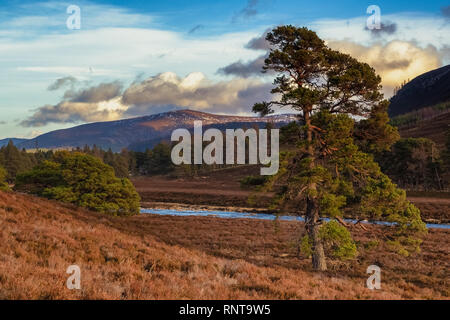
[
  {"x": 426, "y": 90},
  {"x": 16, "y": 141},
  {"x": 140, "y": 133}
]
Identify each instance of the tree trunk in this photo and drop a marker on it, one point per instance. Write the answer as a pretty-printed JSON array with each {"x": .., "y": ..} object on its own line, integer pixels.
[
  {"x": 312, "y": 209},
  {"x": 312, "y": 227}
]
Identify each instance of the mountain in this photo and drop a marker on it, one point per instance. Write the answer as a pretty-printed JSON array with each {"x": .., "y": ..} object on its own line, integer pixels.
[
  {"x": 16, "y": 141},
  {"x": 142, "y": 132},
  {"x": 426, "y": 90}
]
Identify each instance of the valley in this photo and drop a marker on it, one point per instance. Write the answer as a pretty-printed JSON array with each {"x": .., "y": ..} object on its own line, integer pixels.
[{"x": 164, "y": 257}]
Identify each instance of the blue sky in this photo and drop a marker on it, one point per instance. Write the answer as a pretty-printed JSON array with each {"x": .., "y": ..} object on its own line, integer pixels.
[{"x": 132, "y": 58}]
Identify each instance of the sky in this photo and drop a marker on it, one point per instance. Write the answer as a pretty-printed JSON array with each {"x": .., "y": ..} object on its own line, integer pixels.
[{"x": 134, "y": 58}]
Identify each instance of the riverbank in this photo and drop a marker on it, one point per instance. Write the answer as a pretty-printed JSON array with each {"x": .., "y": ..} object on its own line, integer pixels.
[
  {"x": 182, "y": 207},
  {"x": 222, "y": 191}
]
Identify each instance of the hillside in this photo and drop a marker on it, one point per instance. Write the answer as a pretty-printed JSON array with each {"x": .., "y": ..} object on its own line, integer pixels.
[
  {"x": 426, "y": 90},
  {"x": 137, "y": 258},
  {"x": 143, "y": 132},
  {"x": 433, "y": 128}
]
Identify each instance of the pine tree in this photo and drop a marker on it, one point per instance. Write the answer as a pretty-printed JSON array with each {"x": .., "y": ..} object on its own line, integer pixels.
[
  {"x": 327, "y": 170},
  {"x": 3, "y": 185},
  {"x": 374, "y": 134},
  {"x": 14, "y": 161},
  {"x": 83, "y": 180}
]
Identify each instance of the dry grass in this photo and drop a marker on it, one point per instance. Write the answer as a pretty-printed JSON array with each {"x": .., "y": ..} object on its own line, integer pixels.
[{"x": 129, "y": 258}]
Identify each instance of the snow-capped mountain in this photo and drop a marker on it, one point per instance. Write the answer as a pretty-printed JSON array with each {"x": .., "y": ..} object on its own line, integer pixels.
[{"x": 144, "y": 132}]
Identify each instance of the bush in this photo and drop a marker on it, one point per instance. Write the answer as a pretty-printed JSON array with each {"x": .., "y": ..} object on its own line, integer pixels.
[
  {"x": 253, "y": 181},
  {"x": 83, "y": 180},
  {"x": 306, "y": 246}
]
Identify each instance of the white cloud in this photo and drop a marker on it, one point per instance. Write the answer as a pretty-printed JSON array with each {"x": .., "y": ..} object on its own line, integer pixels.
[
  {"x": 417, "y": 45},
  {"x": 117, "y": 44},
  {"x": 395, "y": 61},
  {"x": 163, "y": 92},
  {"x": 195, "y": 91},
  {"x": 424, "y": 29}
]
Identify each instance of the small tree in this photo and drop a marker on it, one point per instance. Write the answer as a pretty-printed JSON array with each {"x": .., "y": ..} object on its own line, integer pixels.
[
  {"x": 327, "y": 170},
  {"x": 3, "y": 185},
  {"x": 83, "y": 180},
  {"x": 14, "y": 161},
  {"x": 446, "y": 152}
]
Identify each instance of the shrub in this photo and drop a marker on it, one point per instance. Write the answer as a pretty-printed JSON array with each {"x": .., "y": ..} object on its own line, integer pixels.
[
  {"x": 306, "y": 246},
  {"x": 83, "y": 180},
  {"x": 253, "y": 181},
  {"x": 337, "y": 241}
]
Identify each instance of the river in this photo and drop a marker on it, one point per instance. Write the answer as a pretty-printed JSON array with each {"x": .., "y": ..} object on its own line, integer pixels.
[{"x": 261, "y": 216}]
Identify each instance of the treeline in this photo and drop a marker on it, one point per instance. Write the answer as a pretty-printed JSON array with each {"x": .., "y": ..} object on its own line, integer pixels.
[
  {"x": 150, "y": 162},
  {"x": 15, "y": 161},
  {"x": 125, "y": 163},
  {"x": 412, "y": 163}
]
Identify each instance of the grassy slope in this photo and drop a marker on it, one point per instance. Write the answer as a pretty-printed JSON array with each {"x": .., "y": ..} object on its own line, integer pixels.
[
  {"x": 433, "y": 129},
  {"x": 118, "y": 260}
]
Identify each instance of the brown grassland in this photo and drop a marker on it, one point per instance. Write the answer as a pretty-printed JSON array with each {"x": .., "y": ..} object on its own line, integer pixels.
[{"x": 164, "y": 257}]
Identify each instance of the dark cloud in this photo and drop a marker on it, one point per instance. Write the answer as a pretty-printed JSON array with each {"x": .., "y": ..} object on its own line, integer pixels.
[
  {"x": 385, "y": 28},
  {"x": 102, "y": 92},
  {"x": 62, "y": 82},
  {"x": 77, "y": 105},
  {"x": 446, "y": 11},
  {"x": 398, "y": 64},
  {"x": 196, "y": 28},
  {"x": 2, "y": 122},
  {"x": 149, "y": 109},
  {"x": 69, "y": 112},
  {"x": 249, "y": 11},
  {"x": 244, "y": 69},
  {"x": 259, "y": 43},
  {"x": 253, "y": 67},
  {"x": 445, "y": 53},
  {"x": 194, "y": 91}
]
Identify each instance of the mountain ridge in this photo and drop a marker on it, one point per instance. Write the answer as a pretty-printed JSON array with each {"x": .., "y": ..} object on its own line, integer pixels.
[
  {"x": 123, "y": 133},
  {"x": 428, "y": 89}
]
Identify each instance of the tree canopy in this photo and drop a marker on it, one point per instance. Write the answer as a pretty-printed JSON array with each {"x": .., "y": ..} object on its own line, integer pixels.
[
  {"x": 14, "y": 161},
  {"x": 83, "y": 180},
  {"x": 3, "y": 184}
]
